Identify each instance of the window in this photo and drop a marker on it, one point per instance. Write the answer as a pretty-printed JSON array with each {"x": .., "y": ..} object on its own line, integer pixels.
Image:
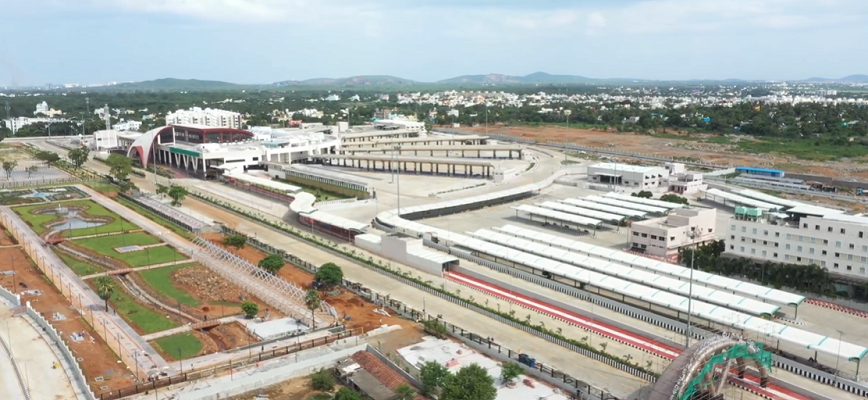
[
  {"x": 789, "y": 237},
  {"x": 864, "y": 259},
  {"x": 765, "y": 242},
  {"x": 787, "y": 246},
  {"x": 644, "y": 235},
  {"x": 742, "y": 238},
  {"x": 835, "y": 265},
  {"x": 816, "y": 227},
  {"x": 753, "y": 240},
  {"x": 850, "y": 257},
  {"x": 787, "y": 257},
  {"x": 823, "y": 264},
  {"x": 830, "y": 229},
  {"x": 811, "y": 250},
  {"x": 799, "y": 259},
  {"x": 813, "y": 240},
  {"x": 837, "y": 255},
  {"x": 731, "y": 247},
  {"x": 799, "y": 249},
  {"x": 862, "y": 270},
  {"x": 732, "y": 237},
  {"x": 672, "y": 238},
  {"x": 764, "y": 253},
  {"x": 662, "y": 239},
  {"x": 741, "y": 249},
  {"x": 775, "y": 255},
  {"x": 754, "y": 231},
  {"x": 852, "y": 246},
  {"x": 777, "y": 234},
  {"x": 825, "y": 241},
  {"x": 864, "y": 248},
  {"x": 838, "y": 244},
  {"x": 752, "y": 251},
  {"x": 637, "y": 234},
  {"x": 843, "y": 231},
  {"x": 744, "y": 229},
  {"x": 710, "y": 230},
  {"x": 849, "y": 268},
  {"x": 861, "y": 234},
  {"x": 766, "y": 233},
  {"x": 654, "y": 237},
  {"x": 732, "y": 227},
  {"x": 824, "y": 252}
]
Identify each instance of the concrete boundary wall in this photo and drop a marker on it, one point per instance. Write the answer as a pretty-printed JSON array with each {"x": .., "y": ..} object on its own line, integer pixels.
[
  {"x": 79, "y": 382},
  {"x": 14, "y": 299},
  {"x": 11, "y": 297}
]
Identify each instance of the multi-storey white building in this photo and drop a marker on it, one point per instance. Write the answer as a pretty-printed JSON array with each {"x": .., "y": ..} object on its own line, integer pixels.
[
  {"x": 44, "y": 109},
  {"x": 683, "y": 182},
  {"x": 802, "y": 235},
  {"x": 14, "y": 124},
  {"x": 662, "y": 237},
  {"x": 127, "y": 126},
  {"x": 631, "y": 176},
  {"x": 208, "y": 117}
]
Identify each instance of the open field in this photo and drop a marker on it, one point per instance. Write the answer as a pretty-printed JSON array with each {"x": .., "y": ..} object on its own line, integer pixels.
[
  {"x": 96, "y": 357},
  {"x": 39, "y": 221},
  {"x": 106, "y": 245},
  {"x": 180, "y": 346},
  {"x": 736, "y": 150}
]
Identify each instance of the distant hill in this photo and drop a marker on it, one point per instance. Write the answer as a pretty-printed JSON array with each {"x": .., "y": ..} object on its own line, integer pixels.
[
  {"x": 362, "y": 80},
  {"x": 538, "y": 78},
  {"x": 846, "y": 79},
  {"x": 173, "y": 84}
]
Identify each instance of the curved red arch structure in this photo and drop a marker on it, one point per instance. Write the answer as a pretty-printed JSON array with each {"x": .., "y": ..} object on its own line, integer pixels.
[{"x": 144, "y": 145}]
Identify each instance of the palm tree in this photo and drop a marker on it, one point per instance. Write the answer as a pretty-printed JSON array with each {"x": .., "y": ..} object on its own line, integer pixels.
[
  {"x": 404, "y": 392},
  {"x": 105, "y": 288},
  {"x": 312, "y": 301}
]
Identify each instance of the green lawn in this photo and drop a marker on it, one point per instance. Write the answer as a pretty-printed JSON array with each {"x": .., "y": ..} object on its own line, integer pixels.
[
  {"x": 80, "y": 268},
  {"x": 155, "y": 255},
  {"x": 185, "y": 342},
  {"x": 37, "y": 221},
  {"x": 161, "y": 280},
  {"x": 156, "y": 218},
  {"x": 146, "y": 320}
]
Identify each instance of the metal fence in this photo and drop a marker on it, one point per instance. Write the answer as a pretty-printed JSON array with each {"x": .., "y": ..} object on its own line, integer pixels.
[{"x": 172, "y": 215}]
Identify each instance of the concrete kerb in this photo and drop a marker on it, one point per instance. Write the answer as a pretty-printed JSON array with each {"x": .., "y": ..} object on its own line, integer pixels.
[{"x": 21, "y": 381}]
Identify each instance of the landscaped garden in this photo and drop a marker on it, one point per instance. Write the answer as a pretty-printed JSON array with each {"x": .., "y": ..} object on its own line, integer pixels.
[
  {"x": 81, "y": 268},
  {"x": 179, "y": 346},
  {"x": 161, "y": 280},
  {"x": 108, "y": 245},
  {"x": 141, "y": 317},
  {"x": 40, "y": 216}
]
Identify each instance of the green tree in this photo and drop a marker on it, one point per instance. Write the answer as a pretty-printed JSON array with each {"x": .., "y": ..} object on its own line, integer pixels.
[
  {"x": 119, "y": 166},
  {"x": 236, "y": 241},
  {"x": 105, "y": 288},
  {"x": 250, "y": 309},
  {"x": 9, "y": 166},
  {"x": 330, "y": 274},
  {"x": 47, "y": 157},
  {"x": 428, "y": 126},
  {"x": 31, "y": 170},
  {"x": 322, "y": 380},
  {"x": 347, "y": 394},
  {"x": 644, "y": 194},
  {"x": 177, "y": 194},
  {"x": 433, "y": 376},
  {"x": 312, "y": 301},
  {"x": 162, "y": 189},
  {"x": 272, "y": 263},
  {"x": 469, "y": 383},
  {"x": 434, "y": 326},
  {"x": 404, "y": 392},
  {"x": 674, "y": 198},
  {"x": 510, "y": 371},
  {"x": 78, "y": 156}
]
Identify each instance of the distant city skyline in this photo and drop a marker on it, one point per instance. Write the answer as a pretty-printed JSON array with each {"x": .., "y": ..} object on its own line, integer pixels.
[{"x": 265, "y": 41}]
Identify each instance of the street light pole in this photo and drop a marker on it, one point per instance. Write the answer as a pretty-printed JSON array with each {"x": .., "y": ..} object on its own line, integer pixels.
[
  {"x": 838, "y": 358},
  {"x": 692, "y": 233}
]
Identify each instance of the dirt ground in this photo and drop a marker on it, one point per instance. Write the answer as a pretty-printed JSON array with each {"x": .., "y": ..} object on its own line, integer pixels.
[
  {"x": 5, "y": 239},
  {"x": 293, "y": 389},
  {"x": 218, "y": 296},
  {"x": 98, "y": 359},
  {"x": 723, "y": 154},
  {"x": 360, "y": 312}
]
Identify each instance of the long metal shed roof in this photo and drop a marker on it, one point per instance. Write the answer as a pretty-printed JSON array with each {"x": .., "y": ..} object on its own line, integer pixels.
[
  {"x": 721, "y": 315},
  {"x": 753, "y": 194},
  {"x": 742, "y": 200},
  {"x": 644, "y": 277},
  {"x": 640, "y": 200},
  {"x": 626, "y": 204},
  {"x": 560, "y": 216},
  {"x": 744, "y": 288},
  {"x": 601, "y": 215},
  {"x": 590, "y": 205}
]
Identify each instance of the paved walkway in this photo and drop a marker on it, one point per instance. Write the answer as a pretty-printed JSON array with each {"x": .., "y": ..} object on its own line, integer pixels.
[
  {"x": 115, "y": 330},
  {"x": 180, "y": 329},
  {"x": 74, "y": 238},
  {"x": 145, "y": 268},
  {"x": 35, "y": 358}
]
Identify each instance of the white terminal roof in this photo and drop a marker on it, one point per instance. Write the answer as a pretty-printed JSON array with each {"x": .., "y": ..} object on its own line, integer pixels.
[
  {"x": 856, "y": 219},
  {"x": 626, "y": 204},
  {"x": 753, "y": 194},
  {"x": 626, "y": 167},
  {"x": 590, "y": 205},
  {"x": 825, "y": 344},
  {"x": 558, "y": 215},
  {"x": 742, "y": 200},
  {"x": 266, "y": 182},
  {"x": 303, "y": 204},
  {"x": 640, "y": 200},
  {"x": 720, "y": 315},
  {"x": 584, "y": 212},
  {"x": 659, "y": 267},
  {"x": 672, "y": 285}
]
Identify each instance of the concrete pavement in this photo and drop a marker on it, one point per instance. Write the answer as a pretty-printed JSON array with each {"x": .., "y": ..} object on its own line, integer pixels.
[
  {"x": 145, "y": 268},
  {"x": 181, "y": 329},
  {"x": 35, "y": 359}
]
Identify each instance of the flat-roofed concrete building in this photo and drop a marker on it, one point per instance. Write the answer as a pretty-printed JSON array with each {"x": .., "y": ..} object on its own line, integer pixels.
[
  {"x": 663, "y": 237},
  {"x": 631, "y": 176}
]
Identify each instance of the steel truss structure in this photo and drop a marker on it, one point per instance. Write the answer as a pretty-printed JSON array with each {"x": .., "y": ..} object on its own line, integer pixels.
[{"x": 280, "y": 294}]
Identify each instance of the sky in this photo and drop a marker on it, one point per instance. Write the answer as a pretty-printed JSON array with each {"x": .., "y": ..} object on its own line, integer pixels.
[{"x": 265, "y": 41}]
